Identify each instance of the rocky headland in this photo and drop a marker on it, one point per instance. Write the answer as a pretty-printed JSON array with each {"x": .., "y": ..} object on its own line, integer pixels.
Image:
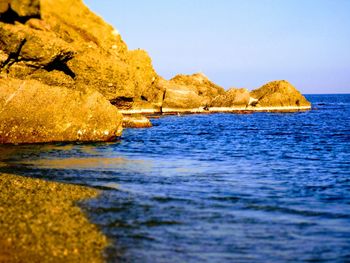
[
  {"x": 57, "y": 52},
  {"x": 67, "y": 76}
]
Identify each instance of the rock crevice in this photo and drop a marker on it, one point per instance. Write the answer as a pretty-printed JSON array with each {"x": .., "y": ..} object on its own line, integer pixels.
[
  {"x": 12, "y": 11},
  {"x": 13, "y": 57},
  {"x": 60, "y": 64}
]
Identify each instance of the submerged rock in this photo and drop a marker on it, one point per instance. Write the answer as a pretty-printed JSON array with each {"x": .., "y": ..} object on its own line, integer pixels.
[
  {"x": 31, "y": 112},
  {"x": 279, "y": 94}
]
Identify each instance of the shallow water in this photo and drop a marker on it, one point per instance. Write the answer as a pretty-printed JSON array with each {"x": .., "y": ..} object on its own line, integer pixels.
[{"x": 266, "y": 187}]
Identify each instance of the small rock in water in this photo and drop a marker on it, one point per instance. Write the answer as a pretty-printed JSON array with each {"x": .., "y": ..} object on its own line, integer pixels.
[{"x": 136, "y": 121}]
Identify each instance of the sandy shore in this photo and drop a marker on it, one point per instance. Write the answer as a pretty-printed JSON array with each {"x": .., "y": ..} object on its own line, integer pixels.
[{"x": 40, "y": 222}]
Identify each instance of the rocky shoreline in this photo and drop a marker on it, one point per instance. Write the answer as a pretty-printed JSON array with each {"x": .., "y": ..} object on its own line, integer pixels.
[
  {"x": 170, "y": 111},
  {"x": 67, "y": 76},
  {"x": 141, "y": 118}
]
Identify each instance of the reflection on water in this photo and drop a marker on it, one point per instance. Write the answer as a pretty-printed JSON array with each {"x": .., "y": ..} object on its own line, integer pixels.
[
  {"x": 218, "y": 188},
  {"x": 82, "y": 163}
]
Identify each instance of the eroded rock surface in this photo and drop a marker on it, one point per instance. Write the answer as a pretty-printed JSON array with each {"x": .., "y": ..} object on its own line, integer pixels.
[
  {"x": 31, "y": 112},
  {"x": 189, "y": 92},
  {"x": 232, "y": 98},
  {"x": 61, "y": 46},
  {"x": 19, "y": 10},
  {"x": 279, "y": 94},
  {"x": 62, "y": 43}
]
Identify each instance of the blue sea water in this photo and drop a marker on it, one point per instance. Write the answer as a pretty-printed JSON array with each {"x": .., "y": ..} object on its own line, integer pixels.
[{"x": 262, "y": 187}]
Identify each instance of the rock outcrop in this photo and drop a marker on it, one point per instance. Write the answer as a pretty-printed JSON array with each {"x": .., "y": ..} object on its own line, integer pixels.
[
  {"x": 62, "y": 43},
  {"x": 31, "y": 112},
  {"x": 73, "y": 66},
  {"x": 189, "y": 93},
  {"x": 232, "y": 98},
  {"x": 279, "y": 94},
  {"x": 180, "y": 97},
  {"x": 19, "y": 10},
  {"x": 136, "y": 121},
  {"x": 59, "y": 49},
  {"x": 201, "y": 83}
]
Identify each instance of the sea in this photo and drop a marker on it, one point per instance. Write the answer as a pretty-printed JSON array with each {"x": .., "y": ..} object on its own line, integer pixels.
[{"x": 260, "y": 187}]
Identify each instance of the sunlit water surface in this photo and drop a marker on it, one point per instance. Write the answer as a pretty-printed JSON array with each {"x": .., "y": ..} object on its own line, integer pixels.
[{"x": 265, "y": 187}]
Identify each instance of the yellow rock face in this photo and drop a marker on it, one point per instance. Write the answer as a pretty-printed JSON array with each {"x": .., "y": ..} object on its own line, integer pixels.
[
  {"x": 136, "y": 121},
  {"x": 31, "y": 112},
  {"x": 68, "y": 45},
  {"x": 189, "y": 92},
  {"x": 61, "y": 43},
  {"x": 232, "y": 98},
  {"x": 23, "y": 8},
  {"x": 279, "y": 94}
]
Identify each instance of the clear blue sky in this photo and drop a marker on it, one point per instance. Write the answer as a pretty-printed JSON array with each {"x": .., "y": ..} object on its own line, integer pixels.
[{"x": 241, "y": 43}]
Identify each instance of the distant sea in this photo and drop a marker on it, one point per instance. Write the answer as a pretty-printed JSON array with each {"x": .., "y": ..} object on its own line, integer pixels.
[{"x": 261, "y": 187}]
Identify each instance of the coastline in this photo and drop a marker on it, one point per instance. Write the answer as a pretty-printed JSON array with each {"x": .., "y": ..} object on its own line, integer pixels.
[
  {"x": 40, "y": 222},
  {"x": 217, "y": 110},
  {"x": 263, "y": 109}
]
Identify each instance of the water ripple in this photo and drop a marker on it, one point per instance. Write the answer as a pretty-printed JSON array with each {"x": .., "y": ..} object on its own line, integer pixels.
[{"x": 264, "y": 187}]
